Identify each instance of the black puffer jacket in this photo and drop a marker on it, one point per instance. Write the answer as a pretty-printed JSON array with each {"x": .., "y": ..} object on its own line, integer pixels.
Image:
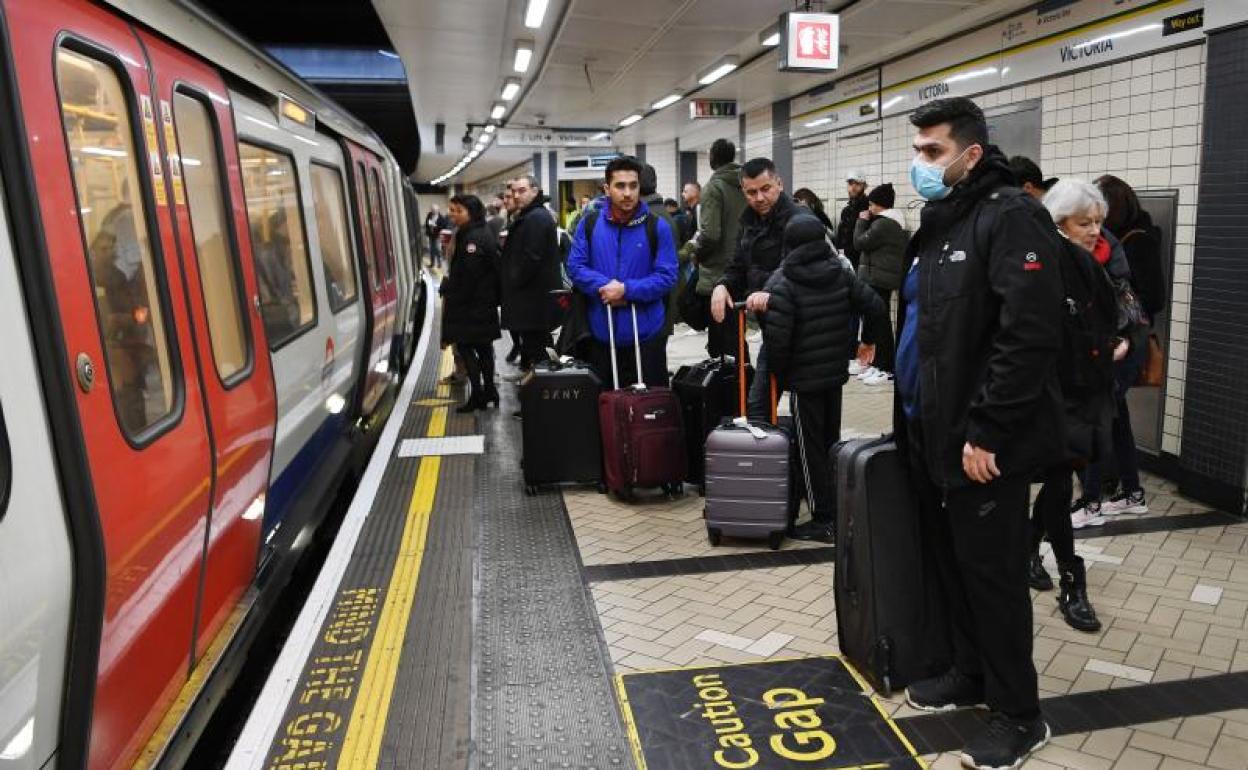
[
  {"x": 845, "y": 229},
  {"x": 813, "y": 298},
  {"x": 760, "y": 248},
  {"x": 470, "y": 292},
  {"x": 530, "y": 269},
  {"x": 990, "y": 328}
]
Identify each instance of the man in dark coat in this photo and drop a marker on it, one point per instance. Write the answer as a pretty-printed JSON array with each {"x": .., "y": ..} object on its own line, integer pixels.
[
  {"x": 530, "y": 271},
  {"x": 982, "y": 413},
  {"x": 856, "y": 186},
  {"x": 759, "y": 252}
]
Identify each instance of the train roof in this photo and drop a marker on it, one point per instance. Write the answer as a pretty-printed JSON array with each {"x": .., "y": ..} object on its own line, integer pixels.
[{"x": 202, "y": 32}]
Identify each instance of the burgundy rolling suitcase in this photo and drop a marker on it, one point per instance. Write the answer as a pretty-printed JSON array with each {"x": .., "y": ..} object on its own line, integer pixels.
[
  {"x": 748, "y": 472},
  {"x": 643, "y": 443}
]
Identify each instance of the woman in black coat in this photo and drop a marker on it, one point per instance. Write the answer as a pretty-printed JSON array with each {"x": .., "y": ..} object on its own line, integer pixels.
[{"x": 470, "y": 295}]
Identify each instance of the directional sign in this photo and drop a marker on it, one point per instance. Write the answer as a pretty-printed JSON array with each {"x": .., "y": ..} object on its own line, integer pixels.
[{"x": 540, "y": 136}]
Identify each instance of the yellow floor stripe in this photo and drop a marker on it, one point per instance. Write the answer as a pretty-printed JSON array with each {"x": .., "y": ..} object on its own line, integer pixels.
[{"x": 362, "y": 745}]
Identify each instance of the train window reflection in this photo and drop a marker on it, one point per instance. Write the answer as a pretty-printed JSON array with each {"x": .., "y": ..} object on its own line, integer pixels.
[
  {"x": 330, "y": 203},
  {"x": 106, "y": 175},
  {"x": 380, "y": 233},
  {"x": 218, "y": 268},
  {"x": 287, "y": 304}
]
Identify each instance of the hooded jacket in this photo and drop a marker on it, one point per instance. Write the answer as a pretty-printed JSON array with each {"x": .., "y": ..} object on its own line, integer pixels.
[
  {"x": 622, "y": 251},
  {"x": 760, "y": 247},
  {"x": 845, "y": 228},
  {"x": 813, "y": 301},
  {"x": 989, "y": 327},
  {"x": 530, "y": 269},
  {"x": 719, "y": 225},
  {"x": 881, "y": 243}
]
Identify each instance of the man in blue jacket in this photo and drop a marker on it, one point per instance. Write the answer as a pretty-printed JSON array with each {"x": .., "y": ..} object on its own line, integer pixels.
[{"x": 624, "y": 255}]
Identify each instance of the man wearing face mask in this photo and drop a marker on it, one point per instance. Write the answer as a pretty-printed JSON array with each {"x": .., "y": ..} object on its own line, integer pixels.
[{"x": 980, "y": 412}]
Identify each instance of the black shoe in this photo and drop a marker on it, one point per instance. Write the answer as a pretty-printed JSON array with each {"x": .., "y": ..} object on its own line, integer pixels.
[
  {"x": 815, "y": 530},
  {"x": 1073, "y": 599},
  {"x": 490, "y": 397},
  {"x": 471, "y": 405},
  {"x": 951, "y": 690},
  {"x": 1005, "y": 743},
  {"x": 1037, "y": 577}
]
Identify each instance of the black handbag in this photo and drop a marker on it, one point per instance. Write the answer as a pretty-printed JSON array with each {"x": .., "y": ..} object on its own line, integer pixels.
[{"x": 693, "y": 310}]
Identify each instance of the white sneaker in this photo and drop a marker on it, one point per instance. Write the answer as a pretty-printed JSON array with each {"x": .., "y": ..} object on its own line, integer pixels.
[
  {"x": 855, "y": 368},
  {"x": 1086, "y": 515},
  {"x": 879, "y": 378},
  {"x": 1125, "y": 502},
  {"x": 867, "y": 373}
]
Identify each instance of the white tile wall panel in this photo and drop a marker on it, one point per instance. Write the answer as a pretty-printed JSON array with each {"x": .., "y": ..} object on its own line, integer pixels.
[
  {"x": 758, "y": 133},
  {"x": 663, "y": 157},
  {"x": 810, "y": 168}
]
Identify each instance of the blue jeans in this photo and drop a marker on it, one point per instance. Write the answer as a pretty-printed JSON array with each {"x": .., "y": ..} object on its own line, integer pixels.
[{"x": 1126, "y": 372}]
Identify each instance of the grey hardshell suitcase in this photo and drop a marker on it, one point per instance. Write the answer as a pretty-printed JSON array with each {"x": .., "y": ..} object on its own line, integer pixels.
[{"x": 747, "y": 472}]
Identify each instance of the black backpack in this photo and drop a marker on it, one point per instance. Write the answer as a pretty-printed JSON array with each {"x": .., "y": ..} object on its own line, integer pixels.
[{"x": 1089, "y": 324}]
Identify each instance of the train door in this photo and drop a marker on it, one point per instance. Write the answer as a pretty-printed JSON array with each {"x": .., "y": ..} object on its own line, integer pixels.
[
  {"x": 206, "y": 197},
  {"x": 91, "y": 125},
  {"x": 375, "y": 377},
  {"x": 387, "y": 260}
]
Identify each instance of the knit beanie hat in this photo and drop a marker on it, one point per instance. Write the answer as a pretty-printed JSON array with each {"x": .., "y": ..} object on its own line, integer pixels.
[{"x": 883, "y": 195}]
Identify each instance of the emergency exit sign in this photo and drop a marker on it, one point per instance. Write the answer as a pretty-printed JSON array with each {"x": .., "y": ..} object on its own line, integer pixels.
[
  {"x": 712, "y": 108},
  {"x": 810, "y": 42}
]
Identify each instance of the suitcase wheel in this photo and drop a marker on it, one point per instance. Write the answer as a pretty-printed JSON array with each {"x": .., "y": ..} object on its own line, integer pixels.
[
  {"x": 775, "y": 540},
  {"x": 601, "y": 487},
  {"x": 673, "y": 490},
  {"x": 714, "y": 536},
  {"x": 530, "y": 489}
]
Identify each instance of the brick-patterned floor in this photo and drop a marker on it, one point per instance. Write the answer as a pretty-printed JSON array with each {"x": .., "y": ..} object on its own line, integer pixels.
[{"x": 1173, "y": 605}]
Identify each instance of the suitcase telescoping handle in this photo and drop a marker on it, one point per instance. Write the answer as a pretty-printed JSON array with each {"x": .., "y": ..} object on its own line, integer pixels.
[
  {"x": 739, "y": 307},
  {"x": 615, "y": 366}
]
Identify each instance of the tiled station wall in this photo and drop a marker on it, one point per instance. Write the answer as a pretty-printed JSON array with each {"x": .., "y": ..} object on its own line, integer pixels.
[
  {"x": 758, "y": 134},
  {"x": 663, "y": 157},
  {"x": 1138, "y": 119}
]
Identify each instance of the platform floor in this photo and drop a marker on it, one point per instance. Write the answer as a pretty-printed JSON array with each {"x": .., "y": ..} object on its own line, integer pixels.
[{"x": 459, "y": 623}]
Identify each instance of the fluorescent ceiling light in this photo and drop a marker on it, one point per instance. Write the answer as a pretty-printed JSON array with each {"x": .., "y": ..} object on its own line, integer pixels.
[
  {"x": 524, "y": 55},
  {"x": 499, "y": 111},
  {"x": 535, "y": 12},
  {"x": 490, "y": 128},
  {"x": 107, "y": 152},
  {"x": 631, "y": 119},
  {"x": 894, "y": 100},
  {"x": 480, "y": 146},
  {"x": 600, "y": 136},
  {"x": 818, "y": 122},
  {"x": 390, "y": 54},
  {"x": 770, "y": 37},
  {"x": 666, "y": 101},
  {"x": 511, "y": 87},
  {"x": 721, "y": 68}
]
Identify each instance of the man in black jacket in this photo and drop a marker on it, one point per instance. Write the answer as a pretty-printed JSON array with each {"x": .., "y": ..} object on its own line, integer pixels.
[
  {"x": 812, "y": 298},
  {"x": 530, "y": 270},
  {"x": 760, "y": 250},
  {"x": 977, "y": 385},
  {"x": 856, "y": 186}
]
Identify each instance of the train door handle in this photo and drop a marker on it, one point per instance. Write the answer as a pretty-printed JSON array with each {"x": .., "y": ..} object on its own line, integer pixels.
[{"x": 85, "y": 370}]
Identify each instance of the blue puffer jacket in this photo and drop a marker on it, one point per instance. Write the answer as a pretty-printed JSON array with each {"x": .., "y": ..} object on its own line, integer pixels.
[{"x": 623, "y": 252}]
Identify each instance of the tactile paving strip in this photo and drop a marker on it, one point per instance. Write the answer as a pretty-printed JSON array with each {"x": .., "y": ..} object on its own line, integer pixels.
[{"x": 544, "y": 695}]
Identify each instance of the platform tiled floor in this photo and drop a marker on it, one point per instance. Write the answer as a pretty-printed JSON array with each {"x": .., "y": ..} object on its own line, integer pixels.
[{"x": 1173, "y": 605}]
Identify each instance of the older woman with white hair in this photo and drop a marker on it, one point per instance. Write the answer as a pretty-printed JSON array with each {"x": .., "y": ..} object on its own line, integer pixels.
[{"x": 1078, "y": 209}]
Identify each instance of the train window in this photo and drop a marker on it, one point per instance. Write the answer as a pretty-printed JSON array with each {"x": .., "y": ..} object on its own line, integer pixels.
[
  {"x": 366, "y": 227},
  {"x": 100, "y": 136},
  {"x": 218, "y": 267},
  {"x": 287, "y": 304},
  {"x": 331, "y": 226},
  {"x": 379, "y": 233}
]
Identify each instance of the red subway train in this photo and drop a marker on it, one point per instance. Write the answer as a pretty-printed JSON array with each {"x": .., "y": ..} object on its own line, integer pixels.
[{"x": 210, "y": 286}]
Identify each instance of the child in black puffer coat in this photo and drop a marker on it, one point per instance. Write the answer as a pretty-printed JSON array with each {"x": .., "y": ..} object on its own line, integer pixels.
[{"x": 812, "y": 302}]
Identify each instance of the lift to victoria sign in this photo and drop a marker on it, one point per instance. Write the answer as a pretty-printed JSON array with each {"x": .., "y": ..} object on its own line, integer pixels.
[
  {"x": 540, "y": 136},
  {"x": 810, "y": 42}
]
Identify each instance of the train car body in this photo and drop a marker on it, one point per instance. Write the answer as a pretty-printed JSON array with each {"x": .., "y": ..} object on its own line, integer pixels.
[{"x": 209, "y": 270}]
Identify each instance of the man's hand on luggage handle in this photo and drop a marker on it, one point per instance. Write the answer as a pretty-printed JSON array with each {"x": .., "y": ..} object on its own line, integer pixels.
[
  {"x": 980, "y": 465},
  {"x": 721, "y": 304},
  {"x": 757, "y": 302},
  {"x": 612, "y": 293},
  {"x": 866, "y": 355}
]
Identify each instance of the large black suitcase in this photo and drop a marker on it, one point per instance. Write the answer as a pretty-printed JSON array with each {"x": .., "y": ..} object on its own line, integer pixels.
[
  {"x": 707, "y": 392},
  {"x": 888, "y": 611},
  {"x": 559, "y": 412}
]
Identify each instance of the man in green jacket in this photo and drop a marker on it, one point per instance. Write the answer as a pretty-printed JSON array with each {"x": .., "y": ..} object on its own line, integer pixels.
[{"x": 719, "y": 229}]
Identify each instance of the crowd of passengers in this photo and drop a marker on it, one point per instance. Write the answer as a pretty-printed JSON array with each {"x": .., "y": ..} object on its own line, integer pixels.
[{"x": 989, "y": 397}]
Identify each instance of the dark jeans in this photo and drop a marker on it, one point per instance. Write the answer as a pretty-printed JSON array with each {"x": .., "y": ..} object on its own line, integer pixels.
[
  {"x": 758, "y": 402},
  {"x": 1050, "y": 514},
  {"x": 1126, "y": 372},
  {"x": 653, "y": 362},
  {"x": 817, "y": 425},
  {"x": 478, "y": 360},
  {"x": 979, "y": 540},
  {"x": 534, "y": 347},
  {"x": 885, "y": 344}
]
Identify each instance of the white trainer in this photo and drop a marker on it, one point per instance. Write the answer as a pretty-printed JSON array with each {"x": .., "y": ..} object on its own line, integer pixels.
[
  {"x": 879, "y": 378},
  {"x": 855, "y": 368},
  {"x": 867, "y": 373},
  {"x": 1087, "y": 516}
]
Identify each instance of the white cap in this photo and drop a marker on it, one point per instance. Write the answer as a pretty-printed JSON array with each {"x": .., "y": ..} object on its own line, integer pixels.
[{"x": 856, "y": 175}]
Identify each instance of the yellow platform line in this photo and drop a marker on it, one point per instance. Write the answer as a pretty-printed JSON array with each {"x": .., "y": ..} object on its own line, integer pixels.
[{"x": 362, "y": 745}]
